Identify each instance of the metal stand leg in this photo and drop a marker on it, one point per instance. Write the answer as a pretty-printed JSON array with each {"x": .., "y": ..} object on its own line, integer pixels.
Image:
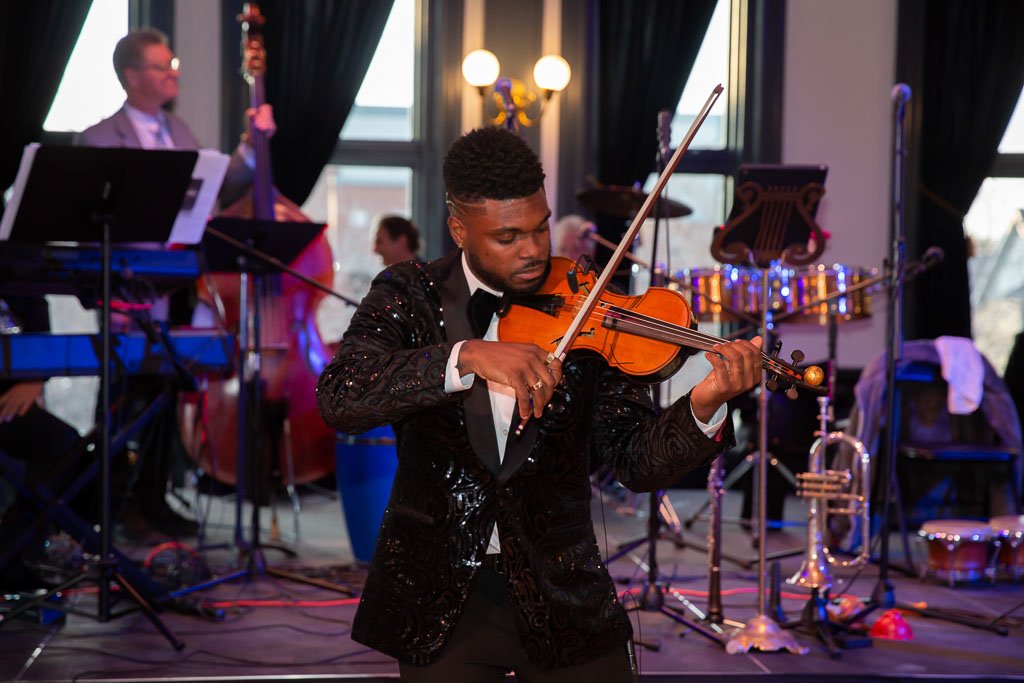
[{"x": 762, "y": 632}]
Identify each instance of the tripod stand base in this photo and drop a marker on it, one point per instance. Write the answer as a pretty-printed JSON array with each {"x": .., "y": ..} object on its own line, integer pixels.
[{"x": 762, "y": 633}]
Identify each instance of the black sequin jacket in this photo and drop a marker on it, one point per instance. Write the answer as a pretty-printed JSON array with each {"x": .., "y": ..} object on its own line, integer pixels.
[{"x": 390, "y": 367}]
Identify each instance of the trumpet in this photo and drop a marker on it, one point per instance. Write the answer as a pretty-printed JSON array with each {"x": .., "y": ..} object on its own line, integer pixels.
[{"x": 832, "y": 492}]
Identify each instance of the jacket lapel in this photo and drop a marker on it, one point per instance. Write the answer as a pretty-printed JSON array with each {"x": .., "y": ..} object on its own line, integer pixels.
[
  {"x": 476, "y": 401},
  {"x": 125, "y": 130}
]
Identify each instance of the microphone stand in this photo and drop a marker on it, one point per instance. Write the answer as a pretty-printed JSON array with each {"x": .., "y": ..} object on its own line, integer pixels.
[
  {"x": 652, "y": 595},
  {"x": 883, "y": 595}
]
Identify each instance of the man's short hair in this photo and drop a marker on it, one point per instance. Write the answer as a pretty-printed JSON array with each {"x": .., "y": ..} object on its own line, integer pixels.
[
  {"x": 129, "y": 50},
  {"x": 396, "y": 226},
  {"x": 491, "y": 163}
]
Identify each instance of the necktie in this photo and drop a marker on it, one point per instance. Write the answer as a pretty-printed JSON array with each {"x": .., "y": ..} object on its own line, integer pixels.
[
  {"x": 161, "y": 136},
  {"x": 482, "y": 307}
]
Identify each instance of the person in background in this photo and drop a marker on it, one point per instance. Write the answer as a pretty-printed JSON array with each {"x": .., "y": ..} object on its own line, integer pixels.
[
  {"x": 149, "y": 71},
  {"x": 29, "y": 434},
  {"x": 486, "y": 560},
  {"x": 570, "y": 237},
  {"x": 396, "y": 240}
]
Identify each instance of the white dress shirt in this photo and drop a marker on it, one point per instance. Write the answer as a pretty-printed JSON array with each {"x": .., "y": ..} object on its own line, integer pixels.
[
  {"x": 503, "y": 397},
  {"x": 153, "y": 131}
]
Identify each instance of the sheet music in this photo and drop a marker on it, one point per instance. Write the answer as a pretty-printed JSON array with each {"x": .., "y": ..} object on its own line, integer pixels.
[
  {"x": 207, "y": 177},
  {"x": 7, "y": 223}
]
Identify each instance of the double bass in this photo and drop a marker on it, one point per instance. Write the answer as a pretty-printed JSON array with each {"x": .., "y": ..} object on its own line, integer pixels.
[{"x": 292, "y": 439}]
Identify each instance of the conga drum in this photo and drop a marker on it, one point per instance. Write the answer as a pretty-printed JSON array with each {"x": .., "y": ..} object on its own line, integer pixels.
[
  {"x": 1009, "y": 535},
  {"x": 366, "y": 465},
  {"x": 958, "y": 550}
]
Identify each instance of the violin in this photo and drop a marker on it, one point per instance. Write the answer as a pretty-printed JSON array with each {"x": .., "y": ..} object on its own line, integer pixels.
[{"x": 648, "y": 336}]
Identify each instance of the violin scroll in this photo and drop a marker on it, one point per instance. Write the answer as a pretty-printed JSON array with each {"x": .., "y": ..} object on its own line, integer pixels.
[{"x": 789, "y": 376}]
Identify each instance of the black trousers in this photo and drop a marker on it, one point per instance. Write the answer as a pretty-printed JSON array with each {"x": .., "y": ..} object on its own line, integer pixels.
[
  {"x": 485, "y": 646},
  {"x": 41, "y": 441}
]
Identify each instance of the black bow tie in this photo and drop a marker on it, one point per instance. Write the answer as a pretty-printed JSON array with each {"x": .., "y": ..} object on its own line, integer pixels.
[{"x": 482, "y": 307}]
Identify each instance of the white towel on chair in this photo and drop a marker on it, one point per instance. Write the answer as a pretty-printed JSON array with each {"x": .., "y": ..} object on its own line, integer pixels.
[{"x": 964, "y": 371}]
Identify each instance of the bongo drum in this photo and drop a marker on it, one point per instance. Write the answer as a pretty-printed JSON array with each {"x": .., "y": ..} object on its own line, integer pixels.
[
  {"x": 1009, "y": 535},
  {"x": 958, "y": 549}
]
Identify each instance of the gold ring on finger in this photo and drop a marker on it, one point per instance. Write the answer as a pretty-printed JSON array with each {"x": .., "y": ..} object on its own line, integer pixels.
[{"x": 538, "y": 385}]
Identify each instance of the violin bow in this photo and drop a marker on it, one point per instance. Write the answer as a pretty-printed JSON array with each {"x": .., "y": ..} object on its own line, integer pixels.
[{"x": 609, "y": 270}]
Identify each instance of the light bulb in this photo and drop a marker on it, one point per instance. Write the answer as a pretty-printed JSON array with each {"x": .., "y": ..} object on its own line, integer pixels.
[
  {"x": 480, "y": 68},
  {"x": 551, "y": 73}
]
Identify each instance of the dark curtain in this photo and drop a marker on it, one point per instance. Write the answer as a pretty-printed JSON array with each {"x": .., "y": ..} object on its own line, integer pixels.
[
  {"x": 973, "y": 71},
  {"x": 318, "y": 52},
  {"x": 645, "y": 51},
  {"x": 36, "y": 39}
]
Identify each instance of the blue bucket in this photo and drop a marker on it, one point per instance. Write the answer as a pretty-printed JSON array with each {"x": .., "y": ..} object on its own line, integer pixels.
[{"x": 366, "y": 470}]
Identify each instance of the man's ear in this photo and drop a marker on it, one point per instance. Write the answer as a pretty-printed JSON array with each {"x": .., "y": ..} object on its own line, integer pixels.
[{"x": 457, "y": 230}]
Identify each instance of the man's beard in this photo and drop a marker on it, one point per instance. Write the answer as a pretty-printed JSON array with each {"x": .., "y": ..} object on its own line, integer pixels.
[{"x": 495, "y": 282}]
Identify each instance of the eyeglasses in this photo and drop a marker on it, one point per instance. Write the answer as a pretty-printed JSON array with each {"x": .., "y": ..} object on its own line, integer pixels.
[{"x": 173, "y": 65}]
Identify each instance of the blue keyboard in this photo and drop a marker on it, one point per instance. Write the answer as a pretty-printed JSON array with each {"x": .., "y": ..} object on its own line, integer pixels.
[{"x": 39, "y": 356}]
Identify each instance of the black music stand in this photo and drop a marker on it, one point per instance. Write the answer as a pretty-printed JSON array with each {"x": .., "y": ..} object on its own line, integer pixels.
[
  {"x": 108, "y": 195},
  {"x": 772, "y": 219},
  {"x": 246, "y": 251}
]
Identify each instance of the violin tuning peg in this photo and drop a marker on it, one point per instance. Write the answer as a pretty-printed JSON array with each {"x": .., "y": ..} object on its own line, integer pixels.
[
  {"x": 791, "y": 393},
  {"x": 772, "y": 384},
  {"x": 776, "y": 348},
  {"x": 797, "y": 356}
]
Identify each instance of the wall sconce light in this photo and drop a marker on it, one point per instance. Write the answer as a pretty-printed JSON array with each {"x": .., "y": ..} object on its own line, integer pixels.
[{"x": 516, "y": 103}]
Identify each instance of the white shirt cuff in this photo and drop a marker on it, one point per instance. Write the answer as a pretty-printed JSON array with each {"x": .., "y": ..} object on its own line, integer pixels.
[
  {"x": 453, "y": 382},
  {"x": 717, "y": 420}
]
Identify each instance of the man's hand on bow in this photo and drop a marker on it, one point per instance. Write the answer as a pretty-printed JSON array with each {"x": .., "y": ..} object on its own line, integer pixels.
[
  {"x": 735, "y": 369},
  {"x": 524, "y": 367}
]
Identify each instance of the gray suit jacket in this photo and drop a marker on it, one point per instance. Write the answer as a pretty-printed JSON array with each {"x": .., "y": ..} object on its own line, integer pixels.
[{"x": 118, "y": 131}]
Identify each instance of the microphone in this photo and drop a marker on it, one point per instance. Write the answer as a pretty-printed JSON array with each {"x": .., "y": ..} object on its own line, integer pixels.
[
  {"x": 932, "y": 256},
  {"x": 900, "y": 93},
  {"x": 664, "y": 135}
]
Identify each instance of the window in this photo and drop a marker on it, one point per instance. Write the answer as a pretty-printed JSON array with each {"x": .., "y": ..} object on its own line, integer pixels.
[
  {"x": 995, "y": 226},
  {"x": 352, "y": 198},
  {"x": 89, "y": 90},
  {"x": 686, "y": 242},
  {"x": 383, "y": 108},
  {"x": 373, "y": 169}
]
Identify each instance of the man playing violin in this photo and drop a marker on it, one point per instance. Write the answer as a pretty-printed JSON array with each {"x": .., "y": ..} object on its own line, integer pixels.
[{"x": 486, "y": 560}]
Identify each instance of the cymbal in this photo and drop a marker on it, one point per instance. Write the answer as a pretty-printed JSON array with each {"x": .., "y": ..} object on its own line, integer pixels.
[{"x": 621, "y": 201}]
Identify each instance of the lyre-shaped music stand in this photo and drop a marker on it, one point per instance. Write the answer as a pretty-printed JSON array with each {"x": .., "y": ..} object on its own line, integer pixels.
[
  {"x": 772, "y": 220},
  {"x": 107, "y": 196}
]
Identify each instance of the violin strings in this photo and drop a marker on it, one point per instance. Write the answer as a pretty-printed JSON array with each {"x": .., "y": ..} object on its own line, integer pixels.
[{"x": 689, "y": 338}]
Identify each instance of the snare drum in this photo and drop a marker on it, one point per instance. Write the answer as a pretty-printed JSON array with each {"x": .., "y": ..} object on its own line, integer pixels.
[
  {"x": 1009, "y": 533},
  {"x": 958, "y": 549},
  {"x": 814, "y": 283}
]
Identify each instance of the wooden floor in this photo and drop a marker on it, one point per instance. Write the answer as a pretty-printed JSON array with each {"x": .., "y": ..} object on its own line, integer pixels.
[{"x": 267, "y": 628}]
